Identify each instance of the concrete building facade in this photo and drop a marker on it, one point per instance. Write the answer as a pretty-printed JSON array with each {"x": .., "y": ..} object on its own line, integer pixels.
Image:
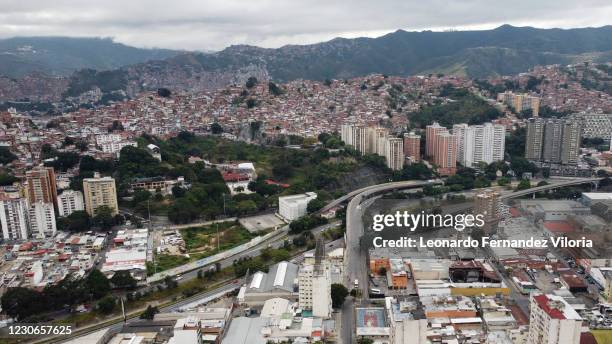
[
  {"x": 295, "y": 206},
  {"x": 70, "y": 201},
  {"x": 100, "y": 191},
  {"x": 13, "y": 218}
]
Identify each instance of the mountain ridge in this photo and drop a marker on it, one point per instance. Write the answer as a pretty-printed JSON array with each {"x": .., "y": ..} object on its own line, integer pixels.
[{"x": 505, "y": 50}]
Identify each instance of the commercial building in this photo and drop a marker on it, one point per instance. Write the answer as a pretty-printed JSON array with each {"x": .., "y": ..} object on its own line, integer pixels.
[
  {"x": 42, "y": 220},
  {"x": 13, "y": 218},
  {"x": 41, "y": 186},
  {"x": 70, "y": 201},
  {"x": 479, "y": 143},
  {"x": 128, "y": 254},
  {"x": 520, "y": 102},
  {"x": 412, "y": 146},
  {"x": 100, "y": 191},
  {"x": 553, "y": 321},
  {"x": 591, "y": 198},
  {"x": 279, "y": 281},
  {"x": 293, "y": 207}
]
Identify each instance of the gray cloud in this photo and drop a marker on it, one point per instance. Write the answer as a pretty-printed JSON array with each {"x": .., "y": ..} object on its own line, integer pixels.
[{"x": 215, "y": 24}]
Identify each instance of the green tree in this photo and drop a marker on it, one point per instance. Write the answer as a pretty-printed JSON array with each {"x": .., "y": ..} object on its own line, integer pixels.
[
  {"x": 7, "y": 179},
  {"x": 502, "y": 181},
  {"x": 315, "y": 205},
  {"x": 216, "y": 128},
  {"x": 107, "y": 304},
  {"x": 103, "y": 217},
  {"x": 251, "y": 82},
  {"x": 149, "y": 313},
  {"x": 251, "y": 103},
  {"x": 78, "y": 221},
  {"x": 274, "y": 89},
  {"x": 97, "y": 284},
  {"x": 21, "y": 302},
  {"x": 523, "y": 185},
  {"x": 6, "y": 156},
  {"x": 123, "y": 279},
  {"x": 338, "y": 294}
]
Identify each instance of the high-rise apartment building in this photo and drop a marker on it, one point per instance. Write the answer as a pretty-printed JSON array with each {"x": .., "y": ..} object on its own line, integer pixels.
[
  {"x": 553, "y": 321},
  {"x": 479, "y": 143},
  {"x": 375, "y": 140},
  {"x": 100, "y": 191},
  {"x": 394, "y": 153},
  {"x": 41, "y": 186},
  {"x": 535, "y": 137},
  {"x": 412, "y": 146},
  {"x": 445, "y": 154},
  {"x": 570, "y": 147},
  {"x": 42, "y": 220},
  {"x": 377, "y": 137},
  {"x": 521, "y": 102},
  {"x": 553, "y": 140},
  {"x": 314, "y": 284},
  {"x": 13, "y": 218},
  {"x": 487, "y": 204},
  {"x": 70, "y": 201},
  {"x": 430, "y": 133}
]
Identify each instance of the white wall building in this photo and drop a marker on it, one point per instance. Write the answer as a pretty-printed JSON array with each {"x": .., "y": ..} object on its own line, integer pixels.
[
  {"x": 13, "y": 218},
  {"x": 293, "y": 207},
  {"x": 479, "y": 143},
  {"x": 553, "y": 321},
  {"x": 394, "y": 153},
  {"x": 42, "y": 220},
  {"x": 315, "y": 291},
  {"x": 116, "y": 147},
  {"x": 70, "y": 201}
]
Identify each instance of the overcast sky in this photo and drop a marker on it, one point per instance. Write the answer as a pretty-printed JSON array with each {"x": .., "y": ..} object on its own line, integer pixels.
[{"x": 215, "y": 24}]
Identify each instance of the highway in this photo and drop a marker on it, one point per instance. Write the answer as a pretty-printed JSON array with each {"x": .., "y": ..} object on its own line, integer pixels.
[{"x": 355, "y": 257}]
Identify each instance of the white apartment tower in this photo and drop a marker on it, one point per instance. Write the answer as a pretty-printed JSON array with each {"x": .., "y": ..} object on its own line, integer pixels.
[
  {"x": 14, "y": 218},
  {"x": 100, "y": 191},
  {"x": 314, "y": 282},
  {"x": 394, "y": 153},
  {"x": 479, "y": 143},
  {"x": 42, "y": 220},
  {"x": 70, "y": 201}
]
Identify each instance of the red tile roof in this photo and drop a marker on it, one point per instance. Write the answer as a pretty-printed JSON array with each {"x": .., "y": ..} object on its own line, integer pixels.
[
  {"x": 542, "y": 301},
  {"x": 558, "y": 226}
]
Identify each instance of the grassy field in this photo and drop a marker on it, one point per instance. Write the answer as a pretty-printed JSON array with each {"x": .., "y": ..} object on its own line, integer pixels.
[
  {"x": 204, "y": 239},
  {"x": 201, "y": 242}
]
